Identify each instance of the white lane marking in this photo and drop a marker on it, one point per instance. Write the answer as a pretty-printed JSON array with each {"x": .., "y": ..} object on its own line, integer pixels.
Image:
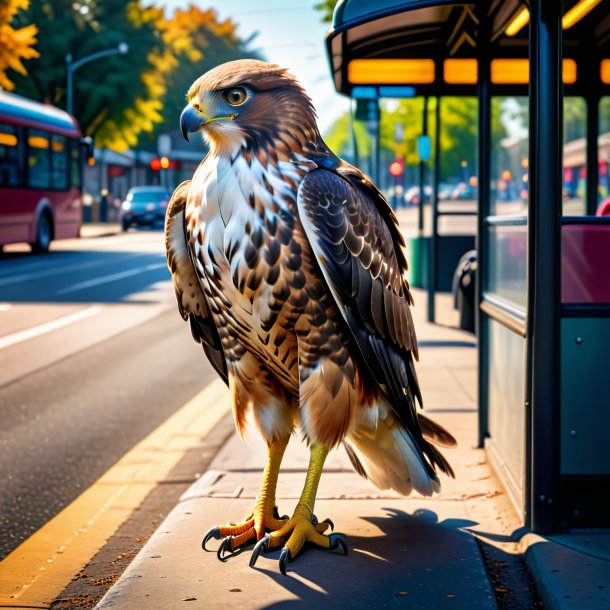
[
  {"x": 5, "y": 306},
  {"x": 24, "y": 277},
  {"x": 48, "y": 327},
  {"x": 105, "y": 279}
]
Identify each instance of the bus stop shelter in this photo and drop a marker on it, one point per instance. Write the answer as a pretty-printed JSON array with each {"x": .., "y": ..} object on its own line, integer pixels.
[{"x": 543, "y": 279}]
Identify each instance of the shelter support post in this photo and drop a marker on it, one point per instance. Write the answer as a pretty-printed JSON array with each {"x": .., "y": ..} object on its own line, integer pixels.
[
  {"x": 433, "y": 244},
  {"x": 484, "y": 187},
  {"x": 544, "y": 261}
]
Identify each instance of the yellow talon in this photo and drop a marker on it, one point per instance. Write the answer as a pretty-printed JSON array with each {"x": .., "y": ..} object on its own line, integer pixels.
[
  {"x": 262, "y": 518},
  {"x": 301, "y": 528}
]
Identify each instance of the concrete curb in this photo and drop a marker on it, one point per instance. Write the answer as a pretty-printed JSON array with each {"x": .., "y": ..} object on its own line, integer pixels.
[{"x": 566, "y": 579}]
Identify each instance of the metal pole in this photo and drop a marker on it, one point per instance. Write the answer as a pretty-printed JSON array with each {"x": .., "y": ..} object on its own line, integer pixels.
[
  {"x": 378, "y": 148},
  {"x": 422, "y": 169},
  {"x": 69, "y": 83},
  {"x": 72, "y": 67},
  {"x": 484, "y": 186},
  {"x": 544, "y": 259},
  {"x": 433, "y": 250}
]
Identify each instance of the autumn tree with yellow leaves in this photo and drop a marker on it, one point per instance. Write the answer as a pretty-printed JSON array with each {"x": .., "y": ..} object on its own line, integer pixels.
[
  {"x": 16, "y": 44},
  {"x": 121, "y": 101}
]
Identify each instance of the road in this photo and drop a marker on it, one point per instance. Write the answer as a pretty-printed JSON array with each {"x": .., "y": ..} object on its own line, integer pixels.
[{"x": 93, "y": 357}]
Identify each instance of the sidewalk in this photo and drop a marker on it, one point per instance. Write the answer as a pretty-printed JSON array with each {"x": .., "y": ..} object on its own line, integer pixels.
[
  {"x": 99, "y": 229},
  {"x": 404, "y": 552}
]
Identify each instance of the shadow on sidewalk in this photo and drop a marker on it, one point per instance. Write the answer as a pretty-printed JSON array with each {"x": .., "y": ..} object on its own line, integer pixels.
[{"x": 416, "y": 562}]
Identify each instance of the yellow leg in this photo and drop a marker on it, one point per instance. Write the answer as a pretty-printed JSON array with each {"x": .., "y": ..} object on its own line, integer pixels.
[
  {"x": 263, "y": 516},
  {"x": 302, "y": 527}
]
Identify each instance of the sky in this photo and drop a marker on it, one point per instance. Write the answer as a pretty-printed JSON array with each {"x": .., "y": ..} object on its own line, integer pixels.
[{"x": 291, "y": 34}]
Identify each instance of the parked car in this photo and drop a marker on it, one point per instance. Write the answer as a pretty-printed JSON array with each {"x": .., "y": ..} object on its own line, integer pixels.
[
  {"x": 412, "y": 195},
  {"x": 463, "y": 191},
  {"x": 144, "y": 206}
]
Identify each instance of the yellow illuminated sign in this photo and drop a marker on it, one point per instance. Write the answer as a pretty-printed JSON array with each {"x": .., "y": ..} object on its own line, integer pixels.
[
  {"x": 517, "y": 71},
  {"x": 8, "y": 139},
  {"x": 38, "y": 142},
  {"x": 604, "y": 71},
  {"x": 460, "y": 71},
  {"x": 57, "y": 146},
  {"x": 390, "y": 71}
]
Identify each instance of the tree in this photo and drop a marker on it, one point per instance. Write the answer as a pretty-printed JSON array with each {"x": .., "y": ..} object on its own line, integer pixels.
[
  {"x": 120, "y": 100},
  {"x": 327, "y": 8},
  {"x": 107, "y": 88},
  {"x": 16, "y": 44},
  {"x": 195, "y": 41}
]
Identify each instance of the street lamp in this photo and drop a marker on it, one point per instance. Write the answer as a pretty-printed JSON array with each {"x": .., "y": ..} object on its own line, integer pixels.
[{"x": 71, "y": 67}]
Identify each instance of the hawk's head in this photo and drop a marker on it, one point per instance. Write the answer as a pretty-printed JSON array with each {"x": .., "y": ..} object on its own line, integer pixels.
[{"x": 249, "y": 103}]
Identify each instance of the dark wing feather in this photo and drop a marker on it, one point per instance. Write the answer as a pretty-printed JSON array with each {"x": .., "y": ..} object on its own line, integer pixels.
[
  {"x": 347, "y": 223},
  {"x": 192, "y": 302}
]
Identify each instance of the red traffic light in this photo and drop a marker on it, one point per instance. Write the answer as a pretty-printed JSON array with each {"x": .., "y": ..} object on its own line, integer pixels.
[
  {"x": 164, "y": 163},
  {"x": 396, "y": 168}
]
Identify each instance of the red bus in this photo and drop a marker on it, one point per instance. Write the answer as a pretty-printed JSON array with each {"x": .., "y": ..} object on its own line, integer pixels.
[{"x": 40, "y": 173}]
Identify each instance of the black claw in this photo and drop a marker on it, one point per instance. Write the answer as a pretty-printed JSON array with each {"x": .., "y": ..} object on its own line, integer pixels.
[
  {"x": 336, "y": 541},
  {"x": 284, "y": 559},
  {"x": 332, "y": 525},
  {"x": 261, "y": 546},
  {"x": 225, "y": 550},
  {"x": 213, "y": 533},
  {"x": 314, "y": 519}
]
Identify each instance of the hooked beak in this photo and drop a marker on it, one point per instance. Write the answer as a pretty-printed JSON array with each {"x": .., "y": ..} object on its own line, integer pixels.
[{"x": 190, "y": 121}]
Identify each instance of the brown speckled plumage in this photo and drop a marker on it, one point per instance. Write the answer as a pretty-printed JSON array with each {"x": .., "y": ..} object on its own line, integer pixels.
[{"x": 301, "y": 302}]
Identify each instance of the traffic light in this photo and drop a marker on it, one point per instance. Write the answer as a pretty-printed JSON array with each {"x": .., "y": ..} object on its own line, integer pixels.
[
  {"x": 159, "y": 163},
  {"x": 396, "y": 168}
]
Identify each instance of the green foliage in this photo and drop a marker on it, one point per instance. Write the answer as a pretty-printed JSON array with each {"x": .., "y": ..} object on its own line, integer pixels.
[
  {"x": 120, "y": 100},
  {"x": 104, "y": 88},
  {"x": 458, "y": 138},
  {"x": 326, "y": 7}
]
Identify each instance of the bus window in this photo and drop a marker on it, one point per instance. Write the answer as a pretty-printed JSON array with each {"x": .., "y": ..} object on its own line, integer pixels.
[
  {"x": 10, "y": 156},
  {"x": 603, "y": 144},
  {"x": 75, "y": 164},
  {"x": 59, "y": 163},
  {"x": 574, "y": 156},
  {"x": 39, "y": 166}
]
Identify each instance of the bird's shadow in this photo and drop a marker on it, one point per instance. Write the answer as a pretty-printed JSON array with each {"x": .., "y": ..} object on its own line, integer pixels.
[{"x": 416, "y": 562}]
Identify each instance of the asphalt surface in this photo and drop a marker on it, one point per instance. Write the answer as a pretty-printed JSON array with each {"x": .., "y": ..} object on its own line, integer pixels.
[{"x": 93, "y": 357}]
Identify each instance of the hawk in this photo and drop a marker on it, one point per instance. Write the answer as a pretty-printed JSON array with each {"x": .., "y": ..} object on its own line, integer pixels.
[{"x": 288, "y": 264}]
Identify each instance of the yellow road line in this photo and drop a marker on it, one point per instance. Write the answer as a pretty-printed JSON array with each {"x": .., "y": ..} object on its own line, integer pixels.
[{"x": 42, "y": 566}]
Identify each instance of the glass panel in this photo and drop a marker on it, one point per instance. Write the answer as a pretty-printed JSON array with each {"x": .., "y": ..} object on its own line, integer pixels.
[
  {"x": 506, "y": 398},
  {"x": 59, "y": 162},
  {"x": 574, "y": 156},
  {"x": 39, "y": 166},
  {"x": 458, "y": 182},
  {"x": 509, "y": 155},
  {"x": 507, "y": 263},
  {"x": 586, "y": 261},
  {"x": 603, "y": 144},
  {"x": 11, "y": 156}
]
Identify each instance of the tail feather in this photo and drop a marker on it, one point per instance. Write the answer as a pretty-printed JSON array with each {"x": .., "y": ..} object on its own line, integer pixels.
[
  {"x": 391, "y": 458},
  {"x": 435, "y": 433}
]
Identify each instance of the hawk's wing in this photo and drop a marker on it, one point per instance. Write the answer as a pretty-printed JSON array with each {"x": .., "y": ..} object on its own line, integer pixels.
[
  {"x": 192, "y": 302},
  {"x": 355, "y": 238}
]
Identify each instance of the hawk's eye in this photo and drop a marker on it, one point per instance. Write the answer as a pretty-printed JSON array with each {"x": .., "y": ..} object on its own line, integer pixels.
[{"x": 235, "y": 96}]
